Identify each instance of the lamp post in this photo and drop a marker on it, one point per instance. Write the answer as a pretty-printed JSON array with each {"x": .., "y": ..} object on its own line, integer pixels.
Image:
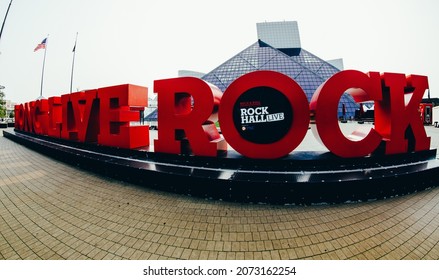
[{"x": 4, "y": 21}]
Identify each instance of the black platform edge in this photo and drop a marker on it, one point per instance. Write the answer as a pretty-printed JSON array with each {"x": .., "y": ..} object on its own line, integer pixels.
[{"x": 300, "y": 178}]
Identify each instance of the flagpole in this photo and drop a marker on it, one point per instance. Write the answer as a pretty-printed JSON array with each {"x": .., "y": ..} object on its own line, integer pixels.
[
  {"x": 73, "y": 63},
  {"x": 42, "y": 72}
]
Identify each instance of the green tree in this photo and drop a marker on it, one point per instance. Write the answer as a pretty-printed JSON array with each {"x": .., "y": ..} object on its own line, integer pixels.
[{"x": 2, "y": 104}]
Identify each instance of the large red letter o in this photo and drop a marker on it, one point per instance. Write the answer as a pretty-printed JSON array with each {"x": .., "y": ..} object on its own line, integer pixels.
[{"x": 262, "y": 108}]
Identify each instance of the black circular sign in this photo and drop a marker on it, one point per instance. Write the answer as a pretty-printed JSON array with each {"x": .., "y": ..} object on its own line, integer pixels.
[{"x": 262, "y": 115}]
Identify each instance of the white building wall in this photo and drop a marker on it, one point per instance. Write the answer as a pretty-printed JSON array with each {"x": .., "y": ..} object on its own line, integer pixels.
[{"x": 279, "y": 35}]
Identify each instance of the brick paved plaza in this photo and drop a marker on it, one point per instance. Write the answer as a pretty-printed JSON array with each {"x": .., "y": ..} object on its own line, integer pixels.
[{"x": 50, "y": 210}]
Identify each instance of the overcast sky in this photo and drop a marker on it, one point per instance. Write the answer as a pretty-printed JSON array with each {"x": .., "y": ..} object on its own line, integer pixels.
[{"x": 135, "y": 41}]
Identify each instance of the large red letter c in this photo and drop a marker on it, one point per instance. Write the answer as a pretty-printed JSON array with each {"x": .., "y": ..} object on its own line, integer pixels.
[{"x": 324, "y": 106}]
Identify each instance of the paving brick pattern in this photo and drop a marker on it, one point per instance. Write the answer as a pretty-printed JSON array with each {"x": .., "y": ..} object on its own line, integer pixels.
[{"x": 50, "y": 210}]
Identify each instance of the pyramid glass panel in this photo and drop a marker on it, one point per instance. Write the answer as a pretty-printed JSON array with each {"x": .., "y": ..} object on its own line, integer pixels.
[{"x": 308, "y": 70}]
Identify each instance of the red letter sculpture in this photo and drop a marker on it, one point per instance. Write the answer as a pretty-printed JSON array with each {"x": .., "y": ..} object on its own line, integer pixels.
[
  {"x": 269, "y": 104},
  {"x": 179, "y": 121},
  {"x": 29, "y": 113},
  {"x": 19, "y": 117},
  {"x": 397, "y": 118},
  {"x": 120, "y": 105},
  {"x": 324, "y": 106},
  {"x": 41, "y": 120},
  {"x": 77, "y": 110},
  {"x": 55, "y": 117}
]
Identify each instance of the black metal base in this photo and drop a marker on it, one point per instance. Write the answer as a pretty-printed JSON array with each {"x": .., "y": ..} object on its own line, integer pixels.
[{"x": 300, "y": 178}]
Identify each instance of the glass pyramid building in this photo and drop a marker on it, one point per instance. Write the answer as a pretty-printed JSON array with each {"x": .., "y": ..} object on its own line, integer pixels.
[
  {"x": 278, "y": 49},
  {"x": 308, "y": 70}
]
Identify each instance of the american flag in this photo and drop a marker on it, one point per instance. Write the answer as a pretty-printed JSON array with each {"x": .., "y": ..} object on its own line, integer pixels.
[{"x": 41, "y": 45}]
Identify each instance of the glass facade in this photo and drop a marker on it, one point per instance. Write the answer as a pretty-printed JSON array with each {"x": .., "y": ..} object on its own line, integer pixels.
[
  {"x": 278, "y": 49},
  {"x": 283, "y": 35},
  {"x": 308, "y": 70}
]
